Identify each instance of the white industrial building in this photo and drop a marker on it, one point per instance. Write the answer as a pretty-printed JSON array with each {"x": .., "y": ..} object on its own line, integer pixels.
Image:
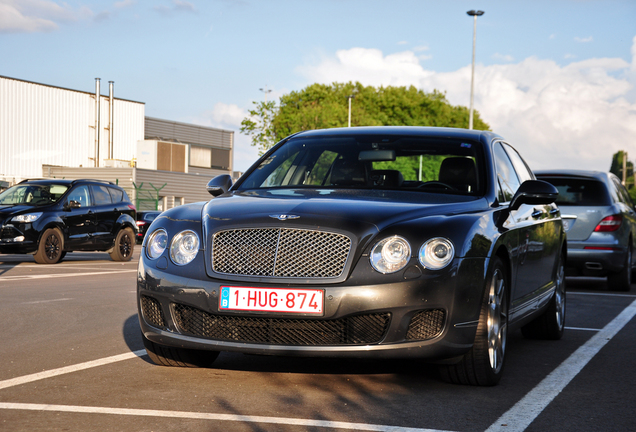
[{"x": 48, "y": 131}]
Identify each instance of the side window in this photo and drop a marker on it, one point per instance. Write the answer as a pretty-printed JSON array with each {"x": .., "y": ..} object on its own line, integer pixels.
[
  {"x": 623, "y": 195},
  {"x": 80, "y": 195},
  {"x": 101, "y": 195},
  {"x": 116, "y": 194},
  {"x": 508, "y": 180},
  {"x": 520, "y": 165}
]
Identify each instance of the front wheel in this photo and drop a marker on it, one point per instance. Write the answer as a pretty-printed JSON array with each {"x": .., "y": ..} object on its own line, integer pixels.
[
  {"x": 179, "y": 357},
  {"x": 124, "y": 245},
  {"x": 483, "y": 364},
  {"x": 50, "y": 248}
]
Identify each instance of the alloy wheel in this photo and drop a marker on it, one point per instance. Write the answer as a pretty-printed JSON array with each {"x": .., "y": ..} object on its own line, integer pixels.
[{"x": 497, "y": 321}]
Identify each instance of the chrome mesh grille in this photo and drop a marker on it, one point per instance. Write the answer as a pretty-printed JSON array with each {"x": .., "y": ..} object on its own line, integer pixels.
[
  {"x": 284, "y": 253},
  {"x": 354, "y": 330},
  {"x": 426, "y": 324}
]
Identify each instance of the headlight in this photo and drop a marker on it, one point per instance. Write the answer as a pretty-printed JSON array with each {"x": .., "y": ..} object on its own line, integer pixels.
[
  {"x": 27, "y": 218},
  {"x": 436, "y": 253},
  {"x": 184, "y": 247},
  {"x": 156, "y": 244},
  {"x": 390, "y": 255}
]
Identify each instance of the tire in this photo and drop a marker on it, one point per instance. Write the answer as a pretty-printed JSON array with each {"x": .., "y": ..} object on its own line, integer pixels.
[
  {"x": 551, "y": 323},
  {"x": 622, "y": 280},
  {"x": 51, "y": 247},
  {"x": 178, "y": 357},
  {"x": 483, "y": 365},
  {"x": 124, "y": 245}
]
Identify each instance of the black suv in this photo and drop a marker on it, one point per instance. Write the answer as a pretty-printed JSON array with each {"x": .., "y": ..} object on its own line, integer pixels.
[{"x": 48, "y": 218}]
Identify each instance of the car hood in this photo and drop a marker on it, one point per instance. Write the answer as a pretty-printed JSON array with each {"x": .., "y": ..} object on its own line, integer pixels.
[
  {"x": 361, "y": 213},
  {"x": 8, "y": 211}
]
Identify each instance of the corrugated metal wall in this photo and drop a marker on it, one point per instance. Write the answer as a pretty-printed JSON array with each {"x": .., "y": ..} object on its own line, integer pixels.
[
  {"x": 41, "y": 124},
  {"x": 188, "y": 133}
]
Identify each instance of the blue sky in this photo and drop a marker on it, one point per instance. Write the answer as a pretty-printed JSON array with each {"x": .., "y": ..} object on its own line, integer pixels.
[{"x": 556, "y": 78}]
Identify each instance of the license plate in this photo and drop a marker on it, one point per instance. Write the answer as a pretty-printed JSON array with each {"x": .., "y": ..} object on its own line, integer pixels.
[{"x": 271, "y": 300}]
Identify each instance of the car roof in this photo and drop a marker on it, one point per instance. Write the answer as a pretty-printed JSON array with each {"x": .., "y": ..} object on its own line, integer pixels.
[
  {"x": 66, "y": 181},
  {"x": 597, "y": 175},
  {"x": 427, "y": 131}
]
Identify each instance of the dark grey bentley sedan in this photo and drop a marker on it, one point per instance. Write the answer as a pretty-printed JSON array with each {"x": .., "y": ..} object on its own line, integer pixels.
[{"x": 386, "y": 242}]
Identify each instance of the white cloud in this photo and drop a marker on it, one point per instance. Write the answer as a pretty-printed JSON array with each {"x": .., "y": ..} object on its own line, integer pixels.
[
  {"x": 573, "y": 116},
  {"x": 584, "y": 40},
  {"x": 368, "y": 66},
  {"x": 30, "y": 16}
]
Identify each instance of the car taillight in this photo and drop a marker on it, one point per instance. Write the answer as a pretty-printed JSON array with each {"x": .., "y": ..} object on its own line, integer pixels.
[
  {"x": 132, "y": 207},
  {"x": 610, "y": 223}
]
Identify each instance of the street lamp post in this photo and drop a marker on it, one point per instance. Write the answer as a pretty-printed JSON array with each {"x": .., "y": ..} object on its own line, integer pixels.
[
  {"x": 266, "y": 91},
  {"x": 474, "y": 14},
  {"x": 350, "y": 97}
]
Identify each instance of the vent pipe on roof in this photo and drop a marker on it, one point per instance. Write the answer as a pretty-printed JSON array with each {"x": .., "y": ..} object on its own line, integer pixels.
[
  {"x": 97, "y": 120},
  {"x": 111, "y": 113}
]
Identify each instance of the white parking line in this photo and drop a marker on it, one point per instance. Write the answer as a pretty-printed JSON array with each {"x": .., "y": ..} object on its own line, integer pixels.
[
  {"x": 520, "y": 416},
  {"x": 215, "y": 417},
  {"x": 62, "y": 275},
  {"x": 68, "y": 369},
  {"x": 583, "y": 329}
]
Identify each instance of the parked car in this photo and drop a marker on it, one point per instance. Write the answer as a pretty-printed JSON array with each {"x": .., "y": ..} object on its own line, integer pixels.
[
  {"x": 49, "y": 218},
  {"x": 386, "y": 242},
  {"x": 144, "y": 219},
  {"x": 600, "y": 222}
]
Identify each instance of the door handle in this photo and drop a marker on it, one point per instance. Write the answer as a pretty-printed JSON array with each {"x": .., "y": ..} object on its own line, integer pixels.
[{"x": 536, "y": 214}]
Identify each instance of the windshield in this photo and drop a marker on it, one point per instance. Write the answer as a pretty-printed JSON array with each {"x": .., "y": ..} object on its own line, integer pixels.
[
  {"x": 33, "y": 194},
  {"x": 401, "y": 163}
]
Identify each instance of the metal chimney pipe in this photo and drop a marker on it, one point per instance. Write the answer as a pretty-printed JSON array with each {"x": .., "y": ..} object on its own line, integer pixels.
[
  {"x": 97, "y": 120},
  {"x": 111, "y": 114}
]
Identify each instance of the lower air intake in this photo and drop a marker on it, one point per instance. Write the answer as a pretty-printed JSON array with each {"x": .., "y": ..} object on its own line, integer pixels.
[
  {"x": 354, "y": 330},
  {"x": 426, "y": 324}
]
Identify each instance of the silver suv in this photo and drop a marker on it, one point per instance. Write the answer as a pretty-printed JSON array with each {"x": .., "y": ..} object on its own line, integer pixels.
[{"x": 600, "y": 222}]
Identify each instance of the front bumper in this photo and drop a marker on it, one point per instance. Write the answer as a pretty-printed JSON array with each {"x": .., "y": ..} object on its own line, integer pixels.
[
  {"x": 17, "y": 239},
  {"x": 424, "y": 314}
]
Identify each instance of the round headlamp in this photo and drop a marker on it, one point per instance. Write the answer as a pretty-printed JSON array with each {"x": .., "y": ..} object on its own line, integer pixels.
[
  {"x": 436, "y": 253},
  {"x": 390, "y": 255},
  {"x": 184, "y": 247},
  {"x": 156, "y": 243}
]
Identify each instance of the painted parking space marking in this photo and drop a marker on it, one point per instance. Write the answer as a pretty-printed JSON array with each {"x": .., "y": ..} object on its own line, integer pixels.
[
  {"x": 214, "y": 417},
  {"x": 62, "y": 275},
  {"x": 583, "y": 329},
  {"x": 69, "y": 369},
  {"x": 523, "y": 413}
]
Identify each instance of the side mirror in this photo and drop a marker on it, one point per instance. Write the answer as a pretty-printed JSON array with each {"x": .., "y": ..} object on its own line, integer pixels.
[
  {"x": 534, "y": 192},
  {"x": 72, "y": 204},
  {"x": 219, "y": 185}
]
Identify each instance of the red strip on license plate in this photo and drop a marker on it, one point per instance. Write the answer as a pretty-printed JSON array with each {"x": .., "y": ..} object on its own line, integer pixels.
[{"x": 271, "y": 299}]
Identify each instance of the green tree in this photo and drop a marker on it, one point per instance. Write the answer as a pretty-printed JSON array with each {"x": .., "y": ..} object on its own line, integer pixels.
[
  {"x": 322, "y": 106},
  {"x": 617, "y": 168},
  {"x": 259, "y": 125}
]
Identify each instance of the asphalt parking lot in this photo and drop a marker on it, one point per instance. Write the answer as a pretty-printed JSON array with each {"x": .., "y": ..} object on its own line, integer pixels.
[{"x": 73, "y": 360}]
